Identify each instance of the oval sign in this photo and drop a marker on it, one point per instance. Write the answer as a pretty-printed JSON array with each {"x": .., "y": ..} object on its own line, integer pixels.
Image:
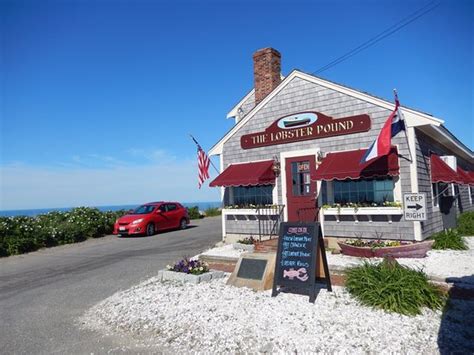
[{"x": 297, "y": 121}]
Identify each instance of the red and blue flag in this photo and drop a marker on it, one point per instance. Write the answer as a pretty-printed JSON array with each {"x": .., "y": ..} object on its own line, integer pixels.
[{"x": 381, "y": 146}]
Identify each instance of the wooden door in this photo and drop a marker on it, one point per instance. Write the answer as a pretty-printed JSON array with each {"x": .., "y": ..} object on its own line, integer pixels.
[{"x": 300, "y": 190}]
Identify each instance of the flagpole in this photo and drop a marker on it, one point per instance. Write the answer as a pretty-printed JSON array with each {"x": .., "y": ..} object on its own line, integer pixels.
[
  {"x": 406, "y": 128},
  {"x": 199, "y": 147}
]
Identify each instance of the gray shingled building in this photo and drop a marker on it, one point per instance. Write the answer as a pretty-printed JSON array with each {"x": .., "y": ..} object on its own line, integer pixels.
[{"x": 294, "y": 155}]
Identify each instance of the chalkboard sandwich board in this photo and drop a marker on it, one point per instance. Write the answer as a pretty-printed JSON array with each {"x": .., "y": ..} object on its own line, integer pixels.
[
  {"x": 300, "y": 251},
  {"x": 254, "y": 270}
]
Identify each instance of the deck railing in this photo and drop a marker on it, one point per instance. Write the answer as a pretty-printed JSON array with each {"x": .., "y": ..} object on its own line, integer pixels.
[{"x": 269, "y": 218}]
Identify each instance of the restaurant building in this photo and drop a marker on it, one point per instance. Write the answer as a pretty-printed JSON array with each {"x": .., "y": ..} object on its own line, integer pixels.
[{"x": 294, "y": 155}]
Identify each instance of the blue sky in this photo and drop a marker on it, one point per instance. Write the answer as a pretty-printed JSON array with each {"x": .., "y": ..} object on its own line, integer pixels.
[{"x": 98, "y": 97}]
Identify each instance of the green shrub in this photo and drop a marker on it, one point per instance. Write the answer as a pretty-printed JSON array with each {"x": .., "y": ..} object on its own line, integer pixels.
[
  {"x": 394, "y": 288},
  {"x": 449, "y": 239},
  {"x": 247, "y": 240},
  {"x": 466, "y": 224},
  {"x": 212, "y": 211},
  {"x": 23, "y": 234},
  {"x": 193, "y": 212}
]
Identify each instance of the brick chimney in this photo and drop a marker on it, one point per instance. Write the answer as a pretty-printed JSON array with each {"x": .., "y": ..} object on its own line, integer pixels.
[{"x": 266, "y": 72}]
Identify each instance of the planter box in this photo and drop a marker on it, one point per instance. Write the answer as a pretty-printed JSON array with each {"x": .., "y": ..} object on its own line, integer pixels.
[
  {"x": 167, "y": 275},
  {"x": 246, "y": 247},
  {"x": 415, "y": 250}
]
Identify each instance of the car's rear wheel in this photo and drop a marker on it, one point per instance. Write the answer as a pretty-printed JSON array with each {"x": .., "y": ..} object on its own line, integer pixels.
[
  {"x": 150, "y": 229},
  {"x": 183, "y": 224}
]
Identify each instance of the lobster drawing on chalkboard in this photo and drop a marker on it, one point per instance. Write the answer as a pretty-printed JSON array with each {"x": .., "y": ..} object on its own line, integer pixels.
[{"x": 301, "y": 274}]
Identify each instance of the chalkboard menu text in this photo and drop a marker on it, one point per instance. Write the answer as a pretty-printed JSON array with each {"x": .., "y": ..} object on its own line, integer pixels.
[{"x": 300, "y": 245}]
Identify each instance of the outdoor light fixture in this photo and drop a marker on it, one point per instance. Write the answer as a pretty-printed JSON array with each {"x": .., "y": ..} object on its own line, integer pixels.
[
  {"x": 276, "y": 166},
  {"x": 319, "y": 157}
]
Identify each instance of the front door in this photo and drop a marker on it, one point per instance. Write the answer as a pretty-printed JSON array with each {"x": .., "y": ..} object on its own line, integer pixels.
[{"x": 300, "y": 191}]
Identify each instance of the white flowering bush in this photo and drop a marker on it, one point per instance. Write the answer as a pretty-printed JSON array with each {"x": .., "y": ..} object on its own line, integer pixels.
[{"x": 23, "y": 234}]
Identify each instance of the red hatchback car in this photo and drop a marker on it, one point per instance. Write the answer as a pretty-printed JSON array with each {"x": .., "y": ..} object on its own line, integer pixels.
[{"x": 151, "y": 217}]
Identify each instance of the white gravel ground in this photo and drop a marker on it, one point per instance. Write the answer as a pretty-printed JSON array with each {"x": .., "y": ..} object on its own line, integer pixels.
[
  {"x": 213, "y": 317},
  {"x": 227, "y": 251}
]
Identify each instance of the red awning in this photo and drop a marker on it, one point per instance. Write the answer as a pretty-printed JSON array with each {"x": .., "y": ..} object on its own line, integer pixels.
[
  {"x": 466, "y": 176},
  {"x": 442, "y": 172},
  {"x": 345, "y": 165},
  {"x": 471, "y": 174},
  {"x": 247, "y": 174}
]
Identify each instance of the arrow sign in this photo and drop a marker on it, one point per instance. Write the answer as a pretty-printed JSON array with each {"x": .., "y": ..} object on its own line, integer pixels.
[{"x": 414, "y": 206}]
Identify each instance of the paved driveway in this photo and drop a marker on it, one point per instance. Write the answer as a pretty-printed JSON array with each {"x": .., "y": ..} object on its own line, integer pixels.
[{"x": 42, "y": 294}]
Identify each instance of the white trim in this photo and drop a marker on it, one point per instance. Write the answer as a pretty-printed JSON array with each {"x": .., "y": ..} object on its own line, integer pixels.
[
  {"x": 283, "y": 157},
  {"x": 275, "y": 192},
  {"x": 397, "y": 188},
  {"x": 448, "y": 137},
  {"x": 235, "y": 111},
  {"x": 414, "y": 177},
  {"x": 413, "y": 118},
  {"x": 247, "y": 212},
  {"x": 221, "y": 169},
  {"x": 223, "y": 225}
]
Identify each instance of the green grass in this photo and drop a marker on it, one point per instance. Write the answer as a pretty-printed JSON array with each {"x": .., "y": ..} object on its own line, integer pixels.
[
  {"x": 212, "y": 211},
  {"x": 466, "y": 224},
  {"x": 449, "y": 239},
  {"x": 394, "y": 288},
  {"x": 193, "y": 212}
]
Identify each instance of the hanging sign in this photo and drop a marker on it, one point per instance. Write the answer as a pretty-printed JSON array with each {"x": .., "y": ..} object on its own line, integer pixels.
[
  {"x": 305, "y": 126},
  {"x": 300, "y": 251}
]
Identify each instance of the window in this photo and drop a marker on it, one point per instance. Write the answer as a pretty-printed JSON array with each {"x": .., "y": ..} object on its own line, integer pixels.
[
  {"x": 364, "y": 191},
  {"x": 301, "y": 178},
  {"x": 471, "y": 192},
  {"x": 324, "y": 192},
  {"x": 170, "y": 207},
  {"x": 438, "y": 189},
  {"x": 253, "y": 195}
]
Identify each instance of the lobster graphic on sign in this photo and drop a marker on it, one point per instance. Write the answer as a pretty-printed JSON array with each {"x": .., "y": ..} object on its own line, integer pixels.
[{"x": 301, "y": 274}]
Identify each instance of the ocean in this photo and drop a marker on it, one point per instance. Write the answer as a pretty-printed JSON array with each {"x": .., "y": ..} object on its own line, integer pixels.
[{"x": 34, "y": 212}]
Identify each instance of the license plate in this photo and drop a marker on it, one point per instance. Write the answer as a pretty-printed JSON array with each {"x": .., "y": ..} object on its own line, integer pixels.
[{"x": 121, "y": 228}]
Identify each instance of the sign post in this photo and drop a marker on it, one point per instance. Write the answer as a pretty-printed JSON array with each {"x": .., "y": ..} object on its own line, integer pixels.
[
  {"x": 414, "y": 206},
  {"x": 300, "y": 245}
]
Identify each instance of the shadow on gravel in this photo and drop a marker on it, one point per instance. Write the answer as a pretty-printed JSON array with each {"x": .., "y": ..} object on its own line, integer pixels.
[{"x": 456, "y": 331}]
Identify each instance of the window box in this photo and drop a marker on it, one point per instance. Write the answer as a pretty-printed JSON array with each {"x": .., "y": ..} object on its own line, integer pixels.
[
  {"x": 268, "y": 211},
  {"x": 363, "y": 211}
]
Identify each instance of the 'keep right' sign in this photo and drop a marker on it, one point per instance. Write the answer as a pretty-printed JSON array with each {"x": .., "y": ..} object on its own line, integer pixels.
[{"x": 414, "y": 206}]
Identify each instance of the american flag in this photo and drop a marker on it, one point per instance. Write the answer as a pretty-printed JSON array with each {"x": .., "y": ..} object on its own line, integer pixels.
[{"x": 203, "y": 166}]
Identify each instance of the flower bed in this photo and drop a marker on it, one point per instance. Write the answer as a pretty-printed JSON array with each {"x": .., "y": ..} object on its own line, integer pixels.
[{"x": 189, "y": 270}]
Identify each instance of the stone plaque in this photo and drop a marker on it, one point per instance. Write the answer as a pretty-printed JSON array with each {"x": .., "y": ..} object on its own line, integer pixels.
[{"x": 254, "y": 270}]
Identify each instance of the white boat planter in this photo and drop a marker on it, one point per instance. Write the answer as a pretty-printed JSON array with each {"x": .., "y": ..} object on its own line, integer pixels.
[
  {"x": 167, "y": 275},
  {"x": 246, "y": 247}
]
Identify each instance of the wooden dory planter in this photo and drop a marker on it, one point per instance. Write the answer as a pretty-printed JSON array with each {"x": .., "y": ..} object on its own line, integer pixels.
[{"x": 415, "y": 250}]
